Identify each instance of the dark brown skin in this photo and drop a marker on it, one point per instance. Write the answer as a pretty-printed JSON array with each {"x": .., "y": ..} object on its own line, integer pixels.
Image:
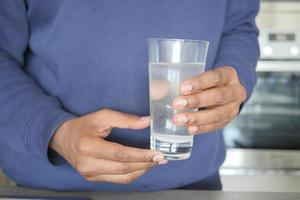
[
  {"x": 218, "y": 91},
  {"x": 81, "y": 141}
]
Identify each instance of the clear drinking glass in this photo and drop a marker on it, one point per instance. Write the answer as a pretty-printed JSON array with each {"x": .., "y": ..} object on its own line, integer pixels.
[{"x": 172, "y": 61}]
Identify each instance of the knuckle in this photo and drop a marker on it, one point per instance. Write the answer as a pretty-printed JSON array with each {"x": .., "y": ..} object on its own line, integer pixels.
[
  {"x": 145, "y": 157},
  {"x": 105, "y": 130},
  {"x": 220, "y": 96},
  {"x": 124, "y": 168},
  {"x": 121, "y": 156},
  {"x": 218, "y": 76},
  {"x": 105, "y": 134},
  {"x": 104, "y": 113},
  {"x": 192, "y": 117},
  {"x": 232, "y": 70},
  {"x": 218, "y": 117},
  {"x": 195, "y": 100}
]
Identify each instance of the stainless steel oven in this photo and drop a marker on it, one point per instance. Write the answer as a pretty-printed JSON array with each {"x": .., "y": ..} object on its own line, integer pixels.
[
  {"x": 264, "y": 140},
  {"x": 271, "y": 118}
]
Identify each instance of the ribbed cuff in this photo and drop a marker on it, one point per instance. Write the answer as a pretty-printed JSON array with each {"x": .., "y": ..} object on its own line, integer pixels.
[{"x": 43, "y": 125}]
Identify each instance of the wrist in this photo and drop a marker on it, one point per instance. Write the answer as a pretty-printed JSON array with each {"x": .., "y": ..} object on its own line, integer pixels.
[{"x": 60, "y": 137}]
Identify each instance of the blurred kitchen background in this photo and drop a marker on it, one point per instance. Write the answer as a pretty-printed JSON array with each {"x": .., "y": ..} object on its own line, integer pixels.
[{"x": 264, "y": 141}]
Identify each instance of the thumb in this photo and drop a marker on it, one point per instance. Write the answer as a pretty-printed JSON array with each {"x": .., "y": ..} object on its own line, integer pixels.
[{"x": 117, "y": 119}]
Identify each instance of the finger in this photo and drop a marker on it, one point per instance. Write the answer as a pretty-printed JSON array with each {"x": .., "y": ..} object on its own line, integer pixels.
[
  {"x": 123, "y": 120},
  {"x": 121, "y": 179},
  {"x": 160, "y": 89},
  {"x": 209, "y": 97},
  {"x": 194, "y": 130},
  {"x": 208, "y": 116},
  {"x": 208, "y": 79},
  {"x": 99, "y": 148},
  {"x": 96, "y": 167}
]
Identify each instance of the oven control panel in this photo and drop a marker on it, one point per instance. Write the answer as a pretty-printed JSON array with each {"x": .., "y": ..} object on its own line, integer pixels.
[
  {"x": 278, "y": 22},
  {"x": 279, "y": 45}
]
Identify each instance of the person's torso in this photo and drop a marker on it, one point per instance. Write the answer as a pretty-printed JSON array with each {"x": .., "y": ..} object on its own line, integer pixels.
[{"x": 93, "y": 55}]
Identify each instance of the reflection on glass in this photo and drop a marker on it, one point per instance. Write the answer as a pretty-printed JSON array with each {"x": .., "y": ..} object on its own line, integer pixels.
[{"x": 271, "y": 118}]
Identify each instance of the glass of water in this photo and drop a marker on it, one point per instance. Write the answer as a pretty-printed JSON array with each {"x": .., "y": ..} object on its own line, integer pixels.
[{"x": 171, "y": 61}]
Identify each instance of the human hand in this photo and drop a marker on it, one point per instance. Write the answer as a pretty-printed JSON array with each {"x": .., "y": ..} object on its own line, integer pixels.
[
  {"x": 218, "y": 91},
  {"x": 81, "y": 142}
]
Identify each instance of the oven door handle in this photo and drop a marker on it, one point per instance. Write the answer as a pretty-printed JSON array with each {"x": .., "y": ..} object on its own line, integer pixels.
[{"x": 278, "y": 66}]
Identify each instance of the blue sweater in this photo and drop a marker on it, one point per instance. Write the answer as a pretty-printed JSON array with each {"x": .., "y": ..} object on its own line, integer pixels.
[{"x": 62, "y": 59}]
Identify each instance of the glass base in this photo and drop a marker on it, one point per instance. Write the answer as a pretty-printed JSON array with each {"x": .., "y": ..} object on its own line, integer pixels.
[{"x": 171, "y": 148}]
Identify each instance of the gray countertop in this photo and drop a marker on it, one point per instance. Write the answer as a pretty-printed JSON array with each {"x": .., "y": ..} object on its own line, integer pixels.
[{"x": 166, "y": 195}]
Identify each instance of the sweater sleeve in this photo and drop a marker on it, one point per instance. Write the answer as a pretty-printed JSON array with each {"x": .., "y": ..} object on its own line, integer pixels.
[
  {"x": 239, "y": 44},
  {"x": 28, "y": 116}
]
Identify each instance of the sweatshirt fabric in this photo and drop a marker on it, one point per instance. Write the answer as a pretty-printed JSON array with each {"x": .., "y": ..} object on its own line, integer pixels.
[{"x": 61, "y": 59}]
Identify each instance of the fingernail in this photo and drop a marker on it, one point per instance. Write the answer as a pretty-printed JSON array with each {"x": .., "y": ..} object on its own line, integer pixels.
[
  {"x": 163, "y": 162},
  {"x": 186, "y": 88},
  {"x": 145, "y": 119},
  {"x": 181, "y": 103},
  {"x": 158, "y": 158},
  {"x": 193, "y": 129},
  {"x": 182, "y": 119}
]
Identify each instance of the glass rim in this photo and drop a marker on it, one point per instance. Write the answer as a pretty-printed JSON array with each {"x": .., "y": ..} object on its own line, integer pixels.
[{"x": 179, "y": 40}]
